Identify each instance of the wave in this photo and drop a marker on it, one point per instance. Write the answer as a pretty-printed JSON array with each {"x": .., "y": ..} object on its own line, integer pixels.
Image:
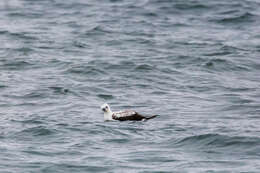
[
  {"x": 59, "y": 90},
  {"x": 81, "y": 69},
  {"x": 190, "y": 6},
  {"x": 223, "y": 65},
  {"x": 242, "y": 18},
  {"x": 105, "y": 96},
  {"x": 3, "y": 86},
  {"x": 22, "y": 35},
  {"x": 16, "y": 65},
  {"x": 98, "y": 30},
  {"x": 144, "y": 67},
  {"x": 63, "y": 167},
  {"x": 30, "y": 121},
  {"x": 36, "y": 131},
  {"x": 220, "y": 141}
]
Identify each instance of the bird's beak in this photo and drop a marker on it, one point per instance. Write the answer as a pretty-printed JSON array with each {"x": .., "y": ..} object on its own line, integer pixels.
[{"x": 104, "y": 109}]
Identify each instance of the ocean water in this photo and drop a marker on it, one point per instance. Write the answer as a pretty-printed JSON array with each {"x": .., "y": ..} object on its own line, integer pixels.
[{"x": 196, "y": 63}]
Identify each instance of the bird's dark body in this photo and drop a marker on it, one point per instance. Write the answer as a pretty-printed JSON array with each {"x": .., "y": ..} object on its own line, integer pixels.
[{"x": 130, "y": 116}]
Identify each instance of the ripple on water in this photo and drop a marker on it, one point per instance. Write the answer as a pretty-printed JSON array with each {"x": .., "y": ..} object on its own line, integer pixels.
[
  {"x": 37, "y": 131},
  {"x": 59, "y": 90},
  {"x": 217, "y": 142},
  {"x": 84, "y": 70},
  {"x": 23, "y": 35},
  {"x": 98, "y": 31},
  {"x": 144, "y": 67},
  {"x": 246, "y": 17},
  {"x": 70, "y": 167},
  {"x": 17, "y": 65},
  {"x": 191, "y": 7},
  {"x": 105, "y": 96},
  {"x": 30, "y": 121},
  {"x": 3, "y": 86}
]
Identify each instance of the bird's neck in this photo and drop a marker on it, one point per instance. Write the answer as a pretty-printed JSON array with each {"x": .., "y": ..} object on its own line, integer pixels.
[{"x": 108, "y": 115}]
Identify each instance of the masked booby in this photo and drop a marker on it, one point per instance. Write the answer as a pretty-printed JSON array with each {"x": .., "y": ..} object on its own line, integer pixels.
[{"x": 127, "y": 115}]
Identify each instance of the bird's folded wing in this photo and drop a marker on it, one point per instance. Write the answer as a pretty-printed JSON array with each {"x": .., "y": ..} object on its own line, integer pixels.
[{"x": 127, "y": 115}]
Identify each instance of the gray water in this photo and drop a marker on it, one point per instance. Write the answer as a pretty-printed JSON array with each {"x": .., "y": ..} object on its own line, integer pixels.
[{"x": 194, "y": 62}]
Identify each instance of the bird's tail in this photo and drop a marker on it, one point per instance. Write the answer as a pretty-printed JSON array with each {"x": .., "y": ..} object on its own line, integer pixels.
[{"x": 151, "y": 117}]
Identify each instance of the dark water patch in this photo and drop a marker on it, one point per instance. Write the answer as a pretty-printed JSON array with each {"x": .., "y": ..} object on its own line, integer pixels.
[
  {"x": 219, "y": 53},
  {"x": 236, "y": 96},
  {"x": 35, "y": 95},
  {"x": 85, "y": 70},
  {"x": 127, "y": 63},
  {"x": 25, "y": 50},
  {"x": 23, "y": 35},
  {"x": 216, "y": 61},
  {"x": 46, "y": 47},
  {"x": 184, "y": 6},
  {"x": 70, "y": 167},
  {"x": 79, "y": 44},
  {"x": 187, "y": 61},
  {"x": 140, "y": 34},
  {"x": 238, "y": 19},
  {"x": 56, "y": 63},
  {"x": 119, "y": 66},
  {"x": 105, "y": 96},
  {"x": 72, "y": 5},
  {"x": 245, "y": 108},
  {"x": 113, "y": 43},
  {"x": 98, "y": 31},
  {"x": 147, "y": 86},
  {"x": 17, "y": 65},
  {"x": 232, "y": 49},
  {"x": 112, "y": 130},
  {"x": 23, "y": 15},
  {"x": 211, "y": 166},
  {"x": 150, "y": 14},
  {"x": 59, "y": 90},
  {"x": 206, "y": 141},
  {"x": 2, "y": 136},
  {"x": 191, "y": 44},
  {"x": 117, "y": 141},
  {"x": 26, "y": 104},
  {"x": 200, "y": 88},
  {"x": 226, "y": 12},
  {"x": 143, "y": 41},
  {"x": 63, "y": 124},
  {"x": 144, "y": 67},
  {"x": 31, "y": 95},
  {"x": 236, "y": 90},
  {"x": 37, "y": 131},
  {"x": 182, "y": 58},
  {"x": 151, "y": 159},
  {"x": 116, "y": 1},
  {"x": 3, "y": 32},
  {"x": 223, "y": 65},
  {"x": 30, "y": 121},
  {"x": 170, "y": 70},
  {"x": 50, "y": 153},
  {"x": 3, "y": 86},
  {"x": 40, "y": 153}
]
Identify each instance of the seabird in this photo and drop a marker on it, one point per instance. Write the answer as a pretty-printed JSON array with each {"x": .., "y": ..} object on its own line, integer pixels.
[{"x": 123, "y": 115}]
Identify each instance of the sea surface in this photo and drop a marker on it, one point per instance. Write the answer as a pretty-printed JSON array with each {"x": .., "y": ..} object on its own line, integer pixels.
[{"x": 196, "y": 63}]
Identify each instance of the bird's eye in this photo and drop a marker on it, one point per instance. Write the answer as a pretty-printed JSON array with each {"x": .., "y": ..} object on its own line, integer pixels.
[{"x": 106, "y": 107}]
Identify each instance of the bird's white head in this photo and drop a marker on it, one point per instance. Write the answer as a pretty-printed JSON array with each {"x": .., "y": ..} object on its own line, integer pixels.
[
  {"x": 105, "y": 108},
  {"x": 107, "y": 111}
]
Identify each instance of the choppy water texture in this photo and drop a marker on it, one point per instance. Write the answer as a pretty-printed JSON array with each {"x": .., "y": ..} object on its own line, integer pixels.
[{"x": 194, "y": 62}]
